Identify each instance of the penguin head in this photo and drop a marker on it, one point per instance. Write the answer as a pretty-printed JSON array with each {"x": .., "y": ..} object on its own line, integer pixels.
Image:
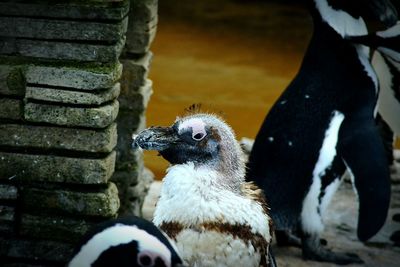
[
  {"x": 383, "y": 10},
  {"x": 132, "y": 242},
  {"x": 203, "y": 139}
]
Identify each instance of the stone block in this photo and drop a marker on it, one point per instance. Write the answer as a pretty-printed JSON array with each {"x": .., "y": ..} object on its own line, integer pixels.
[
  {"x": 47, "y": 29},
  {"x": 12, "y": 80},
  {"x": 88, "y": 77},
  {"x": 98, "y": 117},
  {"x": 35, "y": 250},
  {"x": 61, "y": 50},
  {"x": 127, "y": 158},
  {"x": 100, "y": 203},
  {"x": 137, "y": 194},
  {"x": 128, "y": 124},
  {"x": 86, "y": 10},
  {"x": 10, "y": 109},
  {"x": 143, "y": 11},
  {"x": 56, "y": 169},
  {"x": 8, "y": 192},
  {"x": 141, "y": 41},
  {"x": 73, "y": 97},
  {"x": 7, "y": 217},
  {"x": 136, "y": 100},
  {"x": 124, "y": 181},
  {"x": 142, "y": 26},
  {"x": 53, "y": 228},
  {"x": 135, "y": 72},
  {"x": 58, "y": 138}
]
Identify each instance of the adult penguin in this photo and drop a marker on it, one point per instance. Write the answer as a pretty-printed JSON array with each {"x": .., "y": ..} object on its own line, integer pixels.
[
  {"x": 386, "y": 62},
  {"x": 322, "y": 124}
]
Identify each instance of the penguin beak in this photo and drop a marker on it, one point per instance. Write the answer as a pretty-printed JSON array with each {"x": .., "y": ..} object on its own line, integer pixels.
[
  {"x": 155, "y": 138},
  {"x": 385, "y": 11}
]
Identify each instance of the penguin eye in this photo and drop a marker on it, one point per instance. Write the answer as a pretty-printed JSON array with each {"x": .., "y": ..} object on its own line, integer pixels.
[
  {"x": 145, "y": 259},
  {"x": 199, "y": 136}
]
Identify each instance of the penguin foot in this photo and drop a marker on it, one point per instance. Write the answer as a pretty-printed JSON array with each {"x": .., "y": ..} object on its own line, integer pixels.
[
  {"x": 287, "y": 239},
  {"x": 312, "y": 250}
]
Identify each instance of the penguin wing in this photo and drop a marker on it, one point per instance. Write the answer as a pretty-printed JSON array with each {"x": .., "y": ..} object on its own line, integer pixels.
[{"x": 362, "y": 150}]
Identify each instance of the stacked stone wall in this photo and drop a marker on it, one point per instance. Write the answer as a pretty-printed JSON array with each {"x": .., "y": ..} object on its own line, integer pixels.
[
  {"x": 132, "y": 178},
  {"x": 69, "y": 105}
]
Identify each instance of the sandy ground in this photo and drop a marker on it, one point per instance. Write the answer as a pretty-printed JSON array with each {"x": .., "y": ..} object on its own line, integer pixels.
[{"x": 340, "y": 229}]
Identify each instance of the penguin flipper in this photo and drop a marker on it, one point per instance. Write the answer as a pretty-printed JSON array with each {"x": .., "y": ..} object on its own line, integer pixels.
[{"x": 362, "y": 150}]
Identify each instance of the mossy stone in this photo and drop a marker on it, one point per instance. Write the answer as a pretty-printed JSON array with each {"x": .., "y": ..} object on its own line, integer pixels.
[
  {"x": 41, "y": 168},
  {"x": 99, "y": 203}
]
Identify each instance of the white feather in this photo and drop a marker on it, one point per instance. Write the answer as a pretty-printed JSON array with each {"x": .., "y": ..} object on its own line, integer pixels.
[
  {"x": 388, "y": 105},
  {"x": 192, "y": 196},
  {"x": 346, "y": 25},
  {"x": 342, "y": 22},
  {"x": 310, "y": 217},
  {"x": 211, "y": 249}
]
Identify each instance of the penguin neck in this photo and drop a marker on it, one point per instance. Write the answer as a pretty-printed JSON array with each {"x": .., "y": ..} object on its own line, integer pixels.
[
  {"x": 203, "y": 177},
  {"x": 340, "y": 21}
]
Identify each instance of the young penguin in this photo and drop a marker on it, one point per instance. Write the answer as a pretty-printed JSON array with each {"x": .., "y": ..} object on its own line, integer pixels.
[
  {"x": 206, "y": 207},
  {"x": 321, "y": 124},
  {"x": 125, "y": 242}
]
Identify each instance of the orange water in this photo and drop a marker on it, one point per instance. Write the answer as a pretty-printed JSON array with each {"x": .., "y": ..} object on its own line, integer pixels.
[{"x": 235, "y": 59}]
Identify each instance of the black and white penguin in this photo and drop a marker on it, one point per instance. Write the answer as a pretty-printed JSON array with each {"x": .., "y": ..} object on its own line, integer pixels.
[
  {"x": 386, "y": 62},
  {"x": 125, "y": 242},
  {"x": 322, "y": 124},
  {"x": 206, "y": 207}
]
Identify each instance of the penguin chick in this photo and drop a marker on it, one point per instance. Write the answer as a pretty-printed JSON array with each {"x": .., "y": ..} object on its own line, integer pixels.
[
  {"x": 214, "y": 216},
  {"x": 129, "y": 241}
]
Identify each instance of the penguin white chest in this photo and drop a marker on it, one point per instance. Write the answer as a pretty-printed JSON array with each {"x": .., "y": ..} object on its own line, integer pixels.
[
  {"x": 213, "y": 249},
  {"x": 218, "y": 227}
]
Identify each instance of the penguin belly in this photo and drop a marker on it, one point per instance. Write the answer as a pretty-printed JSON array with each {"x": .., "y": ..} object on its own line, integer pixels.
[
  {"x": 318, "y": 197},
  {"x": 285, "y": 154},
  {"x": 214, "y": 249}
]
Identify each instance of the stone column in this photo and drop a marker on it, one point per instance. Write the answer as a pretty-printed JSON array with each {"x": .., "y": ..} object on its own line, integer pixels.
[
  {"x": 132, "y": 179},
  {"x": 60, "y": 79}
]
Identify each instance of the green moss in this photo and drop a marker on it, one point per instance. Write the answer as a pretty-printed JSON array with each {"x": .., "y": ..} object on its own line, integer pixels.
[{"x": 88, "y": 66}]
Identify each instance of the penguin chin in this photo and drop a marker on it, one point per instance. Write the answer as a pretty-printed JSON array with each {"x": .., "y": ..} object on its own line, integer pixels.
[{"x": 178, "y": 156}]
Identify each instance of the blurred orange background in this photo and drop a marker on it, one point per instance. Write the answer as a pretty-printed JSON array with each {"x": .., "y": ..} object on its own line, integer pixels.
[{"x": 232, "y": 56}]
